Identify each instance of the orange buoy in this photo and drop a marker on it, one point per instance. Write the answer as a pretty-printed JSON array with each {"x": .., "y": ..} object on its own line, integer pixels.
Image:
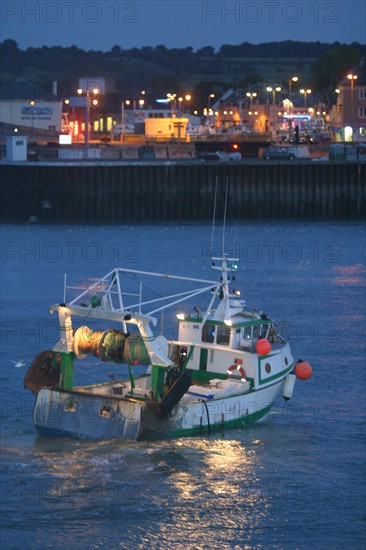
[
  {"x": 263, "y": 346},
  {"x": 303, "y": 370}
]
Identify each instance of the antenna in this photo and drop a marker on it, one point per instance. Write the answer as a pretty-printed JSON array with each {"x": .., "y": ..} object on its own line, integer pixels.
[
  {"x": 224, "y": 224},
  {"x": 65, "y": 279},
  {"x": 213, "y": 217},
  {"x": 235, "y": 232}
]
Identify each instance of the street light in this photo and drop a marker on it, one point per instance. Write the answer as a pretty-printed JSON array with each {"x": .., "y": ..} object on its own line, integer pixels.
[
  {"x": 269, "y": 90},
  {"x": 90, "y": 99},
  {"x": 211, "y": 96},
  {"x": 181, "y": 99},
  {"x": 248, "y": 94},
  {"x": 273, "y": 90},
  {"x": 32, "y": 104},
  {"x": 172, "y": 99},
  {"x": 292, "y": 79},
  {"x": 352, "y": 78},
  {"x": 126, "y": 102},
  {"x": 188, "y": 98},
  {"x": 305, "y": 92},
  {"x": 253, "y": 114},
  {"x": 180, "y": 102},
  {"x": 277, "y": 89}
]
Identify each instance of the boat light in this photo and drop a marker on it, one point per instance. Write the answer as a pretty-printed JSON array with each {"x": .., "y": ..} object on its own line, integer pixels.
[
  {"x": 181, "y": 316},
  {"x": 234, "y": 266},
  {"x": 236, "y": 292},
  {"x": 228, "y": 323}
]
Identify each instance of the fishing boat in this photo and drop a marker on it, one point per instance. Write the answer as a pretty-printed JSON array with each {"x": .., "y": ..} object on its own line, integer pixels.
[{"x": 224, "y": 370}]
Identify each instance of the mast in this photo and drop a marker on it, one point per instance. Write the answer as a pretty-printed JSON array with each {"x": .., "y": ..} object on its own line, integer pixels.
[
  {"x": 224, "y": 223},
  {"x": 225, "y": 309},
  {"x": 214, "y": 216}
]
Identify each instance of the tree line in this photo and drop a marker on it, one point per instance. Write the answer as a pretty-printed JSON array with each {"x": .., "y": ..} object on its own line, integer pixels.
[{"x": 159, "y": 69}]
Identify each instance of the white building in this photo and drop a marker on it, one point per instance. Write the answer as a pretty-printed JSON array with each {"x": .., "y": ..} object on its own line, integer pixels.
[
  {"x": 26, "y": 104},
  {"x": 44, "y": 115}
]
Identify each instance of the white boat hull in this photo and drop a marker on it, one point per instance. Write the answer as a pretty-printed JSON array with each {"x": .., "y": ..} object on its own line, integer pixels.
[{"x": 84, "y": 415}]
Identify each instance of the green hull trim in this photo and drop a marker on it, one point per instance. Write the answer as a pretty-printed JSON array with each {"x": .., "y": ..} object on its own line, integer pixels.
[
  {"x": 250, "y": 322},
  {"x": 66, "y": 370},
  {"x": 241, "y": 422},
  {"x": 281, "y": 374}
]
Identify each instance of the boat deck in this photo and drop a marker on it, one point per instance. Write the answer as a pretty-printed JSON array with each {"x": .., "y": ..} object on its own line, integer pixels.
[{"x": 216, "y": 389}]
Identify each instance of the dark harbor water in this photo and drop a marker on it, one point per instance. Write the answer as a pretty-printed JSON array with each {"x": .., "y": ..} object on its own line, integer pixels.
[{"x": 296, "y": 481}]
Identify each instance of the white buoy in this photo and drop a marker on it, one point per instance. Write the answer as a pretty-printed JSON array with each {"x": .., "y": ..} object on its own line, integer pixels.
[{"x": 288, "y": 388}]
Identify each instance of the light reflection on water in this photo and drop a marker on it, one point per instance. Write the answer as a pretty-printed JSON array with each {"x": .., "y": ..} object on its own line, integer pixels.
[{"x": 349, "y": 275}]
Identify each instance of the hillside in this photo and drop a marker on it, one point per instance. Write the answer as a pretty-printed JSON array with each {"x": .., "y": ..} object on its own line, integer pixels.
[{"x": 159, "y": 69}]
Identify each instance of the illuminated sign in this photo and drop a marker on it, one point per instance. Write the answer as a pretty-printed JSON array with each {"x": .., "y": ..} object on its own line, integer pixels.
[{"x": 37, "y": 111}]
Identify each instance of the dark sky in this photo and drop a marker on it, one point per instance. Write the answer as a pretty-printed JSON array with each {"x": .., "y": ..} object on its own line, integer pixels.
[{"x": 99, "y": 25}]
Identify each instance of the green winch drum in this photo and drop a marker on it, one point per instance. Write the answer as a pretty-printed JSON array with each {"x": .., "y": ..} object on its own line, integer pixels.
[
  {"x": 110, "y": 346},
  {"x": 135, "y": 350}
]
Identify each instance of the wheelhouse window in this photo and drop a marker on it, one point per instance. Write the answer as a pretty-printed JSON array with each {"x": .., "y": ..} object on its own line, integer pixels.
[
  {"x": 208, "y": 333},
  {"x": 247, "y": 333},
  {"x": 238, "y": 332},
  {"x": 223, "y": 335}
]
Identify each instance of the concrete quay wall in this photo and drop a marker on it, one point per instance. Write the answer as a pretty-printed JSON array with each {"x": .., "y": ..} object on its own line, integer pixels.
[{"x": 88, "y": 192}]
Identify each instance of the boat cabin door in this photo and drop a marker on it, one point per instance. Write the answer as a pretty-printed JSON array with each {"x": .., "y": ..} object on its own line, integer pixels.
[{"x": 203, "y": 359}]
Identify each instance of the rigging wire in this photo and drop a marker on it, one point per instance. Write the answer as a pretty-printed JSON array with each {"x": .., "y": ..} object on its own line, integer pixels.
[
  {"x": 214, "y": 216},
  {"x": 224, "y": 223}
]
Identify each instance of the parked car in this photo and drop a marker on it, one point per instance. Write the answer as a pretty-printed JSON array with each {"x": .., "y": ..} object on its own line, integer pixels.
[
  {"x": 325, "y": 137},
  {"x": 278, "y": 153},
  {"x": 307, "y": 138}
]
